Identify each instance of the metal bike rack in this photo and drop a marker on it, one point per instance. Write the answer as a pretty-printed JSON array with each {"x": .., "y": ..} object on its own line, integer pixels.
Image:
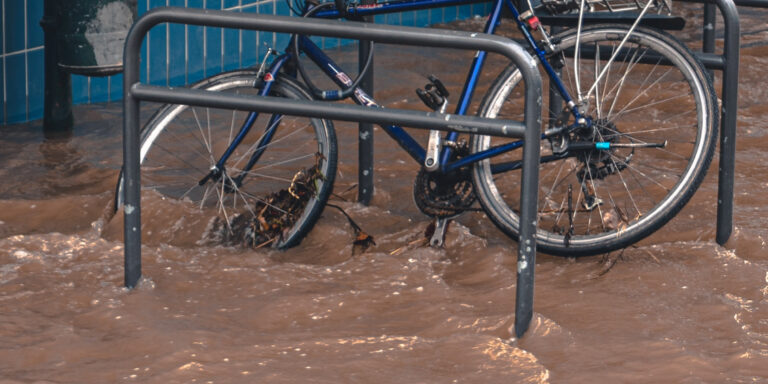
[
  {"x": 728, "y": 63},
  {"x": 134, "y": 92}
]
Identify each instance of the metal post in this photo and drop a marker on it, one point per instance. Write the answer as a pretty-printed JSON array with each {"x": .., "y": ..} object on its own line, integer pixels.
[
  {"x": 365, "y": 130},
  {"x": 57, "y": 108},
  {"x": 131, "y": 176},
  {"x": 526, "y": 247},
  {"x": 728, "y": 122},
  {"x": 708, "y": 32}
]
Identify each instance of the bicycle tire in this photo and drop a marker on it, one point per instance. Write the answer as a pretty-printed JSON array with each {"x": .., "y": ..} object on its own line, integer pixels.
[
  {"x": 647, "y": 186},
  {"x": 178, "y": 149}
]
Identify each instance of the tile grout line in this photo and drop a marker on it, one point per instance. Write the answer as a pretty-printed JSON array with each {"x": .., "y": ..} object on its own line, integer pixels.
[
  {"x": 5, "y": 77},
  {"x": 22, "y": 51},
  {"x": 148, "y": 50},
  {"x": 167, "y": 51},
  {"x": 26, "y": 63},
  {"x": 240, "y": 39},
  {"x": 186, "y": 48},
  {"x": 205, "y": 45},
  {"x": 221, "y": 46}
]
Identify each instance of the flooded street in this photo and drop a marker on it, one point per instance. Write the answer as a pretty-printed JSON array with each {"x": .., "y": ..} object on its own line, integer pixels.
[{"x": 676, "y": 307}]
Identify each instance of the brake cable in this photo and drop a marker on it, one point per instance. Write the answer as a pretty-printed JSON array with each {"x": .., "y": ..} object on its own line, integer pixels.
[{"x": 330, "y": 95}]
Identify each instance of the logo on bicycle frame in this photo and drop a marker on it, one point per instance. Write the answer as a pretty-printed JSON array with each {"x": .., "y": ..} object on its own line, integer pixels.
[
  {"x": 268, "y": 77},
  {"x": 341, "y": 76}
]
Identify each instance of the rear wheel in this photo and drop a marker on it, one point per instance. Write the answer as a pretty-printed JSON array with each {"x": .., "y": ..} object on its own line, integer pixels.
[
  {"x": 649, "y": 140},
  {"x": 274, "y": 185}
]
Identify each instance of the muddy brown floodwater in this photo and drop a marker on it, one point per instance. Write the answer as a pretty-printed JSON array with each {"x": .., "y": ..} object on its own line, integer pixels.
[{"x": 675, "y": 308}]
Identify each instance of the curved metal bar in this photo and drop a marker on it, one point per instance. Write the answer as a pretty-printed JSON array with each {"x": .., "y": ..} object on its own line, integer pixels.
[
  {"x": 351, "y": 30},
  {"x": 729, "y": 64}
]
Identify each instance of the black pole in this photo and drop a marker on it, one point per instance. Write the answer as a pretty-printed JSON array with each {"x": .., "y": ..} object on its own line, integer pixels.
[
  {"x": 57, "y": 107},
  {"x": 728, "y": 131},
  {"x": 708, "y": 32},
  {"x": 365, "y": 130}
]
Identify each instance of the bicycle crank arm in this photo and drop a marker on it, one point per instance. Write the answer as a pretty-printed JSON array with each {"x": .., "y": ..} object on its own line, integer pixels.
[
  {"x": 434, "y": 146},
  {"x": 438, "y": 237},
  {"x": 432, "y": 160}
]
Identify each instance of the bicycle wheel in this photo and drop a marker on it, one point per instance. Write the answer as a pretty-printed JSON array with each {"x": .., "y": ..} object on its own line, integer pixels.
[
  {"x": 651, "y": 107},
  {"x": 279, "y": 197}
]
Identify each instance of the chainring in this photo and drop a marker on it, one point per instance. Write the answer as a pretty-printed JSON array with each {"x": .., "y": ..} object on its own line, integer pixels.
[{"x": 443, "y": 195}]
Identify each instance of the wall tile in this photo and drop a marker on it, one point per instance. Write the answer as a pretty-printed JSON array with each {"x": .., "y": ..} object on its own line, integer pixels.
[
  {"x": 2, "y": 84},
  {"x": 212, "y": 44},
  {"x": 16, "y": 89},
  {"x": 231, "y": 49},
  {"x": 422, "y": 18},
  {"x": 79, "y": 89},
  {"x": 162, "y": 64},
  {"x": 195, "y": 53},
  {"x": 250, "y": 52},
  {"x": 116, "y": 87},
  {"x": 157, "y": 73},
  {"x": 408, "y": 19},
  {"x": 14, "y": 26},
  {"x": 176, "y": 65},
  {"x": 281, "y": 39},
  {"x": 36, "y": 84},
  {"x": 465, "y": 11},
  {"x": 266, "y": 39},
  {"x": 34, "y": 30},
  {"x": 99, "y": 89}
]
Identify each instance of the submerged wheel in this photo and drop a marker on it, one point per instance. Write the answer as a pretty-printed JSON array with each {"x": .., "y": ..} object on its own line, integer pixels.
[
  {"x": 282, "y": 194},
  {"x": 653, "y": 110}
]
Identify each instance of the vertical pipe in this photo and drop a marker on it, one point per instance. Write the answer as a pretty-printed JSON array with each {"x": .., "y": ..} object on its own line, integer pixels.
[
  {"x": 365, "y": 138},
  {"x": 555, "y": 99},
  {"x": 708, "y": 32},
  {"x": 728, "y": 121},
  {"x": 131, "y": 176},
  {"x": 57, "y": 107},
  {"x": 529, "y": 189}
]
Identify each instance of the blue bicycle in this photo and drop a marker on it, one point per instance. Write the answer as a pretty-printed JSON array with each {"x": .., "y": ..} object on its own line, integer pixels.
[{"x": 629, "y": 134}]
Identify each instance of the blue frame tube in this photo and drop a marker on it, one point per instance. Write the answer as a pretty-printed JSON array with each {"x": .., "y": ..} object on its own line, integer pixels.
[
  {"x": 471, "y": 82},
  {"x": 252, "y": 117}
]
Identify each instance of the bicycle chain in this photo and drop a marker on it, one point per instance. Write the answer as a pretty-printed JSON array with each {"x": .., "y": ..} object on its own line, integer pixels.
[{"x": 440, "y": 195}]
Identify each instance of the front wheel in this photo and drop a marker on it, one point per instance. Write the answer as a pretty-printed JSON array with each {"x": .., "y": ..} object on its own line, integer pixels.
[
  {"x": 652, "y": 122},
  {"x": 275, "y": 183}
]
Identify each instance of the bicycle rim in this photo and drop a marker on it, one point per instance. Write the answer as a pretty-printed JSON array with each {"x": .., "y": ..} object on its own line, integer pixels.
[{"x": 594, "y": 201}]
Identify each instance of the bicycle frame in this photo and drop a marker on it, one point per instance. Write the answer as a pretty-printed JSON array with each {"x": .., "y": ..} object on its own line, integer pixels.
[{"x": 406, "y": 141}]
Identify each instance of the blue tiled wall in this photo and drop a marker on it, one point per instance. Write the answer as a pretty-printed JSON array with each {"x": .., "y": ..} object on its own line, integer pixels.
[{"x": 204, "y": 51}]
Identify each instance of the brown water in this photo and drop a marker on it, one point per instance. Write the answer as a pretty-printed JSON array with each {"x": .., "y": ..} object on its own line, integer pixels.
[{"x": 676, "y": 308}]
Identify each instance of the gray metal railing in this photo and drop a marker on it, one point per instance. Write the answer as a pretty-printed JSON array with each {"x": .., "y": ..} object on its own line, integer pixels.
[
  {"x": 529, "y": 129},
  {"x": 728, "y": 63}
]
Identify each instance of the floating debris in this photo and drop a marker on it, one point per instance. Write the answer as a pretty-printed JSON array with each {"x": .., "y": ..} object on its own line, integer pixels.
[
  {"x": 271, "y": 216},
  {"x": 363, "y": 241}
]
